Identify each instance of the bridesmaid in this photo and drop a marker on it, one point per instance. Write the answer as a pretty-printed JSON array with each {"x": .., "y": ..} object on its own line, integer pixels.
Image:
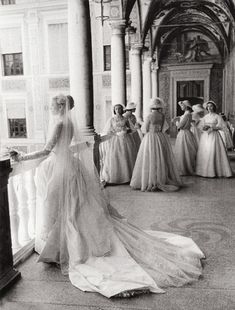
[
  {"x": 137, "y": 134},
  {"x": 197, "y": 114},
  {"x": 185, "y": 145},
  {"x": 120, "y": 151},
  {"x": 212, "y": 159},
  {"x": 155, "y": 167}
]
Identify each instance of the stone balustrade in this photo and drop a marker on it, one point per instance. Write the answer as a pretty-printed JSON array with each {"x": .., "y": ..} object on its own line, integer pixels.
[
  {"x": 8, "y": 274},
  {"x": 18, "y": 207}
]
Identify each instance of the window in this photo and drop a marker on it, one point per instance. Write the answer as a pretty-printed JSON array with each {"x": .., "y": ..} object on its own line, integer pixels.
[
  {"x": 107, "y": 57},
  {"x": 6, "y": 2},
  {"x": 13, "y": 64},
  {"x": 17, "y": 128},
  {"x": 16, "y": 115}
]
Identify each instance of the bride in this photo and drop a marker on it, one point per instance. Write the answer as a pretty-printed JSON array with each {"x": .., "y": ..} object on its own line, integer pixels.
[{"x": 92, "y": 243}]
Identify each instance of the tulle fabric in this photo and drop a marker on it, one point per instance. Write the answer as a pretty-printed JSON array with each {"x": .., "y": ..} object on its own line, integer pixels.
[
  {"x": 155, "y": 167},
  {"x": 92, "y": 243}
]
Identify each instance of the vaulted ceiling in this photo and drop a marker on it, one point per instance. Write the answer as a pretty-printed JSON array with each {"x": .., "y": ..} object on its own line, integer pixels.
[{"x": 161, "y": 20}]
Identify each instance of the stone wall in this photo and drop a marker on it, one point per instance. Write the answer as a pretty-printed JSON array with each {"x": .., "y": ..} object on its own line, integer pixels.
[
  {"x": 216, "y": 86},
  {"x": 229, "y": 83}
]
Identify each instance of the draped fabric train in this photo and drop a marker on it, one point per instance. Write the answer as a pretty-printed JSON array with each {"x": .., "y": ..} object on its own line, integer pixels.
[{"x": 94, "y": 245}]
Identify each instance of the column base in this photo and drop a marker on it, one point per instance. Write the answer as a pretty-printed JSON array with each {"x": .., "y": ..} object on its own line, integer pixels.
[{"x": 9, "y": 279}]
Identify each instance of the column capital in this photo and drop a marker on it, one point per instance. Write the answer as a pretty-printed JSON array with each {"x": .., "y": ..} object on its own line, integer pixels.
[
  {"x": 118, "y": 26},
  {"x": 147, "y": 59},
  {"x": 136, "y": 48},
  {"x": 154, "y": 65}
]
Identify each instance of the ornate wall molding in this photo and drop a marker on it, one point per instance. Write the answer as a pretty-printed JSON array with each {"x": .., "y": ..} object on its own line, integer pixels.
[
  {"x": 13, "y": 85},
  {"x": 106, "y": 80},
  {"x": 58, "y": 83}
]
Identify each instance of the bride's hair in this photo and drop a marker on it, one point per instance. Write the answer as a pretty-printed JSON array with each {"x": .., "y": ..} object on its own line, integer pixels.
[
  {"x": 70, "y": 102},
  {"x": 63, "y": 100}
]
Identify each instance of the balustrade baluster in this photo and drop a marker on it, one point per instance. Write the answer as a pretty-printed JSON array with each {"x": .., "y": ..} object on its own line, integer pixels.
[
  {"x": 14, "y": 216},
  {"x": 31, "y": 191},
  {"x": 23, "y": 208}
]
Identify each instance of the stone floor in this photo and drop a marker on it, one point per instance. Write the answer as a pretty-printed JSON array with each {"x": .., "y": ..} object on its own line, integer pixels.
[{"x": 204, "y": 210}]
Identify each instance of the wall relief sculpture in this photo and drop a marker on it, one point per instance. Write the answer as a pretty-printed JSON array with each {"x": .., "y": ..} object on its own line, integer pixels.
[{"x": 190, "y": 47}]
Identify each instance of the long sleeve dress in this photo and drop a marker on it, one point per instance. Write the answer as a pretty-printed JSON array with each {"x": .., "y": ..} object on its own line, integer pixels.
[
  {"x": 195, "y": 127},
  {"x": 185, "y": 146},
  {"x": 119, "y": 152},
  {"x": 95, "y": 246},
  {"x": 155, "y": 166},
  {"x": 212, "y": 159},
  {"x": 137, "y": 133}
]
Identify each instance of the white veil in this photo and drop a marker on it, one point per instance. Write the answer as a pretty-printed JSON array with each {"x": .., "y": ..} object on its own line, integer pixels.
[{"x": 81, "y": 226}]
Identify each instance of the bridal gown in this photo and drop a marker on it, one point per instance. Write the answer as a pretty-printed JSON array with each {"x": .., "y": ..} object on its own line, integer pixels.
[{"x": 98, "y": 248}]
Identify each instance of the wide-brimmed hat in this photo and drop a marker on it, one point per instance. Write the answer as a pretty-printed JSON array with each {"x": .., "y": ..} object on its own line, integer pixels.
[
  {"x": 207, "y": 102},
  {"x": 118, "y": 104},
  {"x": 156, "y": 103},
  {"x": 185, "y": 103},
  {"x": 198, "y": 108},
  {"x": 130, "y": 106}
]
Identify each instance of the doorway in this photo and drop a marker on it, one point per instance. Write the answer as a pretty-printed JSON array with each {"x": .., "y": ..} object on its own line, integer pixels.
[{"x": 189, "y": 90}]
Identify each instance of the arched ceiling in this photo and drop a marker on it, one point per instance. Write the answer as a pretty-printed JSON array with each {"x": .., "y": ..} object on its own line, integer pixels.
[{"x": 161, "y": 19}]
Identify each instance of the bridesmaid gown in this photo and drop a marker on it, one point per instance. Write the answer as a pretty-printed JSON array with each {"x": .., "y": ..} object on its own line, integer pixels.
[
  {"x": 212, "y": 158},
  {"x": 155, "y": 166},
  {"x": 185, "y": 146},
  {"x": 195, "y": 127},
  {"x": 118, "y": 154}
]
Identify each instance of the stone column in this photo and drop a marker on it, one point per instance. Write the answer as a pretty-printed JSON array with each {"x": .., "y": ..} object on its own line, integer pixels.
[
  {"x": 7, "y": 273},
  {"x": 80, "y": 63},
  {"x": 118, "y": 62},
  {"x": 36, "y": 98},
  {"x": 136, "y": 80},
  {"x": 147, "y": 85},
  {"x": 154, "y": 79}
]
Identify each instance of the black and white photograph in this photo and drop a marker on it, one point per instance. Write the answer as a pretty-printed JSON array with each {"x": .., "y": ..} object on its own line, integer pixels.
[{"x": 117, "y": 154}]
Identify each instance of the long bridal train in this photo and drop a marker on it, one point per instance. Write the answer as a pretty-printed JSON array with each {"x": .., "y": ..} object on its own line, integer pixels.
[{"x": 104, "y": 252}]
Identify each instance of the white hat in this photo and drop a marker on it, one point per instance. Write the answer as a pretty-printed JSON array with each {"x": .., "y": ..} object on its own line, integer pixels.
[
  {"x": 198, "y": 108},
  {"x": 185, "y": 103},
  {"x": 210, "y": 101},
  {"x": 156, "y": 103},
  {"x": 130, "y": 106}
]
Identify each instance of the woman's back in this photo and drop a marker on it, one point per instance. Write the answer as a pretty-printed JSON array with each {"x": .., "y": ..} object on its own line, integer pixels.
[{"x": 155, "y": 121}]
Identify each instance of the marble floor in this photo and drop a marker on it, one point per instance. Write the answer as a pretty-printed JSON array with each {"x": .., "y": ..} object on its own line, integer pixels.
[{"x": 204, "y": 210}]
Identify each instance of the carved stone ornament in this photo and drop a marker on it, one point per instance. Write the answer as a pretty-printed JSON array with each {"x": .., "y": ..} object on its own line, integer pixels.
[
  {"x": 114, "y": 11},
  {"x": 11, "y": 85},
  {"x": 106, "y": 81},
  {"x": 58, "y": 83}
]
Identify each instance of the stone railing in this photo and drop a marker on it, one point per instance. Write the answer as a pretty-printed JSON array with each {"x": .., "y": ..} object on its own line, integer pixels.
[
  {"x": 8, "y": 274},
  {"x": 22, "y": 208},
  {"x": 18, "y": 207}
]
